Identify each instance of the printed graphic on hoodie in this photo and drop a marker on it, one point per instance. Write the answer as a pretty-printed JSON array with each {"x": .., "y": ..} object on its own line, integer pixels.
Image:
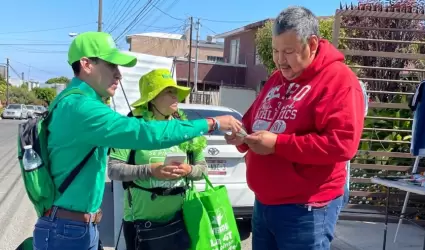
[{"x": 278, "y": 107}]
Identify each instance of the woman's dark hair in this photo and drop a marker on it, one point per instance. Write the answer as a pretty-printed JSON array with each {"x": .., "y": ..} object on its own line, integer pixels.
[{"x": 175, "y": 115}]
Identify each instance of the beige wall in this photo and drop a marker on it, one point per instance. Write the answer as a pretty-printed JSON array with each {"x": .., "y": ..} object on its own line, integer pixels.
[
  {"x": 169, "y": 47},
  {"x": 158, "y": 46},
  {"x": 204, "y": 52}
]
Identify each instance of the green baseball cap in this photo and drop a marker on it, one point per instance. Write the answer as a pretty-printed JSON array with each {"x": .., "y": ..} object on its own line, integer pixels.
[
  {"x": 100, "y": 45},
  {"x": 151, "y": 84}
]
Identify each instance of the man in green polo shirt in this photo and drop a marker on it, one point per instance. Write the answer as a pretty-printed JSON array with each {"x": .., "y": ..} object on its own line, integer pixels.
[{"x": 83, "y": 123}]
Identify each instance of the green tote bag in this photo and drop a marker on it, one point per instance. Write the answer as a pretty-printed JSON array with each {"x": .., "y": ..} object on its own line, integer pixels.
[{"x": 209, "y": 218}]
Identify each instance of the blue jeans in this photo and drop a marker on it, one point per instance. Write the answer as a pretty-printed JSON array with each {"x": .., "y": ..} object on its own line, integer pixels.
[
  {"x": 287, "y": 227},
  {"x": 54, "y": 233}
]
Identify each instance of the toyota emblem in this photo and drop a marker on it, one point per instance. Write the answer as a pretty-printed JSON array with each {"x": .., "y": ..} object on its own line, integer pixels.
[{"x": 213, "y": 151}]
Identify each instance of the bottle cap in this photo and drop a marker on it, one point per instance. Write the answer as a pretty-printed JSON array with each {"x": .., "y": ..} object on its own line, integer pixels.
[{"x": 28, "y": 147}]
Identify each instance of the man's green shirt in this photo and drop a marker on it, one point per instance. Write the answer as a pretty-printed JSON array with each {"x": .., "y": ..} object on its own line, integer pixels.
[{"x": 81, "y": 122}]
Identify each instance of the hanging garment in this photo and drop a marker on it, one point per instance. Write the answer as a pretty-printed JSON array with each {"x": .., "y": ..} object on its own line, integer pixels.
[{"x": 416, "y": 104}]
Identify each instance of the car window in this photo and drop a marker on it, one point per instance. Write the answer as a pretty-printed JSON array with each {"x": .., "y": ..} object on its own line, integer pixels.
[
  {"x": 30, "y": 107},
  {"x": 193, "y": 114},
  {"x": 13, "y": 106}
]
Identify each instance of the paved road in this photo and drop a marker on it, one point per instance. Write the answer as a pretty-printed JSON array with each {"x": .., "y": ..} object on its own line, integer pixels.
[
  {"x": 16, "y": 212},
  {"x": 17, "y": 216}
]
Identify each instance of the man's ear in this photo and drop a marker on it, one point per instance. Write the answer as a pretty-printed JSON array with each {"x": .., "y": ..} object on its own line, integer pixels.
[
  {"x": 313, "y": 43},
  {"x": 86, "y": 66}
]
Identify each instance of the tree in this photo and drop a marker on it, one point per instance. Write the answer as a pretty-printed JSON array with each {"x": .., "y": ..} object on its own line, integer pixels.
[
  {"x": 62, "y": 79},
  {"x": 21, "y": 95},
  {"x": 263, "y": 40},
  {"x": 2, "y": 89},
  {"x": 45, "y": 94}
]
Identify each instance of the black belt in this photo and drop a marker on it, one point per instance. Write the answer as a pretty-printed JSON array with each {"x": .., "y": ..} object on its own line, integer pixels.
[{"x": 157, "y": 191}]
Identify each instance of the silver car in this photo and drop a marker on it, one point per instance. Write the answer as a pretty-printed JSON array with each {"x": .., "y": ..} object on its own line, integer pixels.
[
  {"x": 31, "y": 111},
  {"x": 15, "y": 111}
]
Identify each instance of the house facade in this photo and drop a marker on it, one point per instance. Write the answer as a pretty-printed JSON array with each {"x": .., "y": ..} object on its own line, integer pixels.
[
  {"x": 233, "y": 62},
  {"x": 174, "y": 45},
  {"x": 240, "y": 48}
]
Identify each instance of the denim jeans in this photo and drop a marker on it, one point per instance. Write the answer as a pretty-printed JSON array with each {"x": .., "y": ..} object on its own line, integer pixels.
[
  {"x": 54, "y": 233},
  {"x": 287, "y": 227}
]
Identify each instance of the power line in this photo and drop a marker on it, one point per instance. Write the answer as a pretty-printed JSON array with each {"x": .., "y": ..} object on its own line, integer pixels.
[
  {"x": 34, "y": 44},
  {"x": 203, "y": 25},
  {"x": 225, "y": 21},
  {"x": 28, "y": 50},
  {"x": 135, "y": 21},
  {"x": 165, "y": 13},
  {"x": 32, "y": 31},
  {"x": 112, "y": 11},
  {"x": 169, "y": 7},
  {"x": 32, "y": 67},
  {"x": 121, "y": 18},
  {"x": 16, "y": 73}
]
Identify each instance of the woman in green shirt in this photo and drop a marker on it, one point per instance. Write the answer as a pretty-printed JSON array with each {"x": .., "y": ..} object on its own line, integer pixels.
[{"x": 154, "y": 193}]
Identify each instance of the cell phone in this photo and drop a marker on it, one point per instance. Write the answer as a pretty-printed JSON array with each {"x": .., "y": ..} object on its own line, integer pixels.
[{"x": 175, "y": 158}]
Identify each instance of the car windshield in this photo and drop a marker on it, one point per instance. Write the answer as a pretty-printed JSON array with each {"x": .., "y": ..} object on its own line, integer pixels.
[
  {"x": 39, "y": 108},
  {"x": 193, "y": 114},
  {"x": 30, "y": 107},
  {"x": 13, "y": 106}
]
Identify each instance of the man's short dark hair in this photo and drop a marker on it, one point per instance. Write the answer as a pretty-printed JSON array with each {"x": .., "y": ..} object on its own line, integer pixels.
[{"x": 76, "y": 66}]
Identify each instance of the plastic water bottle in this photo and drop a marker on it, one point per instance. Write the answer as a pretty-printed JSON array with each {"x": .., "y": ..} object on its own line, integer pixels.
[{"x": 31, "y": 159}]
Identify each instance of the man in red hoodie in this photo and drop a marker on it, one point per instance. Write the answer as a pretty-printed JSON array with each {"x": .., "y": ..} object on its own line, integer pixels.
[{"x": 303, "y": 128}]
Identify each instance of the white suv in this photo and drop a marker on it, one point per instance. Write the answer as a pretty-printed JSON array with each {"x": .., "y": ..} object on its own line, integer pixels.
[{"x": 226, "y": 165}]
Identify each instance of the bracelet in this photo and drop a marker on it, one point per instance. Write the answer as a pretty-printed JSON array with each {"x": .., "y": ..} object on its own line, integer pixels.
[
  {"x": 214, "y": 126},
  {"x": 216, "y": 123}
]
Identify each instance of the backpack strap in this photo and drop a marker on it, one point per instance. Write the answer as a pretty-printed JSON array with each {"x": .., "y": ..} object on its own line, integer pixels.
[
  {"x": 61, "y": 96},
  {"x": 70, "y": 178},
  {"x": 65, "y": 184}
]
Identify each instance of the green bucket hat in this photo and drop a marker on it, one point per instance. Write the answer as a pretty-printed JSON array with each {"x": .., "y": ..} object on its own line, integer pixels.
[
  {"x": 151, "y": 84},
  {"x": 100, "y": 45}
]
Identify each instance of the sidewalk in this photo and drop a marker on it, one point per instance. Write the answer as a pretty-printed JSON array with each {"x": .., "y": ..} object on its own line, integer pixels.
[{"x": 369, "y": 236}]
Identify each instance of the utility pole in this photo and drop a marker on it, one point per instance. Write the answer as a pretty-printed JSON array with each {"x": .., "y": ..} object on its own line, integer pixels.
[
  {"x": 7, "y": 81},
  {"x": 23, "y": 81},
  {"x": 99, "y": 17},
  {"x": 189, "y": 57},
  {"x": 195, "y": 81}
]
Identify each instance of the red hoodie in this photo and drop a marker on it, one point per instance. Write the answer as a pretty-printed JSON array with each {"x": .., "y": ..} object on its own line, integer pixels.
[{"x": 319, "y": 120}]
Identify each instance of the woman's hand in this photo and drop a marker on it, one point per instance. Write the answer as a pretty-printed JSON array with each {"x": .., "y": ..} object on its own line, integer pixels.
[
  {"x": 162, "y": 172},
  {"x": 183, "y": 169}
]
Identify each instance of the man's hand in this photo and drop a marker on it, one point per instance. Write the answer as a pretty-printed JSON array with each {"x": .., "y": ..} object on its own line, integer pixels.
[
  {"x": 162, "y": 172},
  {"x": 229, "y": 123},
  {"x": 183, "y": 169},
  {"x": 261, "y": 142},
  {"x": 233, "y": 139}
]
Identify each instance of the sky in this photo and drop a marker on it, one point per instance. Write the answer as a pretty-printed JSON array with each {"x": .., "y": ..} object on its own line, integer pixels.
[{"x": 34, "y": 34}]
